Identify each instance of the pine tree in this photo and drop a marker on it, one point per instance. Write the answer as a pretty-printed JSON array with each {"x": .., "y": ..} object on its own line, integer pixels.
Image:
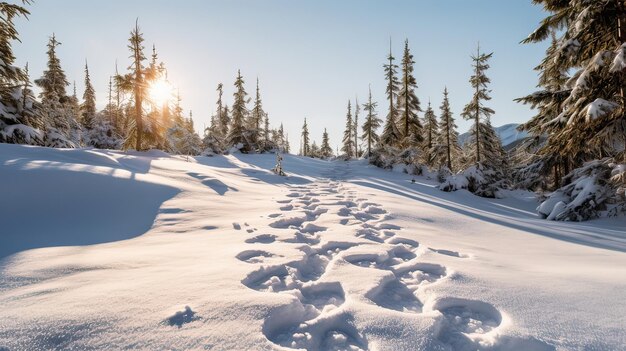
[
  {"x": 256, "y": 117},
  {"x": 305, "y": 140},
  {"x": 314, "y": 150},
  {"x": 135, "y": 81},
  {"x": 19, "y": 121},
  {"x": 88, "y": 107},
  {"x": 223, "y": 121},
  {"x": 348, "y": 141},
  {"x": 432, "y": 130},
  {"x": 325, "y": 150},
  {"x": 355, "y": 129},
  {"x": 10, "y": 76},
  {"x": 372, "y": 123},
  {"x": 266, "y": 131},
  {"x": 59, "y": 110},
  {"x": 237, "y": 134},
  {"x": 551, "y": 155},
  {"x": 448, "y": 136},
  {"x": 592, "y": 45},
  {"x": 53, "y": 81},
  {"x": 408, "y": 103},
  {"x": 391, "y": 135},
  {"x": 480, "y": 114}
]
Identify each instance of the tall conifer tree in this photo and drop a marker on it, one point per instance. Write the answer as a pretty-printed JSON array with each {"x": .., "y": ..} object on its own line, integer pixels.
[
  {"x": 391, "y": 135},
  {"x": 408, "y": 103},
  {"x": 348, "y": 141},
  {"x": 372, "y": 123}
]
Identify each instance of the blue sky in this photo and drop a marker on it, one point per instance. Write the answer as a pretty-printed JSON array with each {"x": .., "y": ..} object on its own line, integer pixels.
[{"x": 310, "y": 56}]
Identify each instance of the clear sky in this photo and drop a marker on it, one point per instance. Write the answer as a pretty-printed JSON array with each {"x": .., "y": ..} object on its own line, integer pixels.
[{"x": 310, "y": 56}]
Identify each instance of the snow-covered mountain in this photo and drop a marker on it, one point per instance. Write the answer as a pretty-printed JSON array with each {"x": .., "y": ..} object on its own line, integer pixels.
[
  {"x": 508, "y": 133},
  {"x": 112, "y": 250}
]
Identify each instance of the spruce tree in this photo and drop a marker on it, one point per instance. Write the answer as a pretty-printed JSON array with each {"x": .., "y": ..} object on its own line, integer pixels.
[
  {"x": 257, "y": 116},
  {"x": 408, "y": 103},
  {"x": 348, "y": 141},
  {"x": 266, "y": 130},
  {"x": 391, "y": 135},
  {"x": 325, "y": 150},
  {"x": 548, "y": 156},
  {"x": 237, "y": 134},
  {"x": 10, "y": 75},
  {"x": 432, "y": 129},
  {"x": 134, "y": 81},
  {"x": 19, "y": 121},
  {"x": 372, "y": 123},
  {"x": 592, "y": 46},
  {"x": 355, "y": 130},
  {"x": 53, "y": 82},
  {"x": 480, "y": 114},
  {"x": 223, "y": 115},
  {"x": 448, "y": 136},
  {"x": 88, "y": 108},
  {"x": 59, "y": 110},
  {"x": 305, "y": 139}
]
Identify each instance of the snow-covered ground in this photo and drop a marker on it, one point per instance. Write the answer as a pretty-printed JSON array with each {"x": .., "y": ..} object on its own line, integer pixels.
[{"x": 113, "y": 250}]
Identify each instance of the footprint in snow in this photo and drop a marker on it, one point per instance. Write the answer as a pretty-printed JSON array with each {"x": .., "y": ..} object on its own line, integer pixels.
[
  {"x": 253, "y": 256},
  {"x": 262, "y": 239}
]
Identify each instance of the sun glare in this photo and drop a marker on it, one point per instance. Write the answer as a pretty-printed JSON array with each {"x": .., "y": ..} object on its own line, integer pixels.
[{"x": 160, "y": 92}]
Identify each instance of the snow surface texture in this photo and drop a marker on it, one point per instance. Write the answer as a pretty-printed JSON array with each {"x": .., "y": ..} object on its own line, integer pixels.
[{"x": 220, "y": 253}]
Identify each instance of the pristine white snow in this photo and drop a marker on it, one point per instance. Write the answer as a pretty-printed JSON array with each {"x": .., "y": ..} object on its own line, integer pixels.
[{"x": 114, "y": 250}]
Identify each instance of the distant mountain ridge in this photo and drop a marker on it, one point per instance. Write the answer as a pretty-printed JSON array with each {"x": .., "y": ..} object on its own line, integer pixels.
[{"x": 508, "y": 134}]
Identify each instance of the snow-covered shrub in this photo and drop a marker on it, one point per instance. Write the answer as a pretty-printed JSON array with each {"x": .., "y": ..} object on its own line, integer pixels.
[
  {"x": 530, "y": 176},
  {"x": 478, "y": 179},
  {"x": 443, "y": 173},
  {"x": 102, "y": 135},
  {"x": 594, "y": 190},
  {"x": 389, "y": 157}
]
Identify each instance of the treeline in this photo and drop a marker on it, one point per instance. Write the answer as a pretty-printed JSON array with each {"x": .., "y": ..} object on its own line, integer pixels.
[
  {"x": 142, "y": 111},
  {"x": 424, "y": 143}
]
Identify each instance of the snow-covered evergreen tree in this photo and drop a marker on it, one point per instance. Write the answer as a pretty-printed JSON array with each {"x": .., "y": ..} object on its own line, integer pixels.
[
  {"x": 314, "y": 150},
  {"x": 238, "y": 135},
  {"x": 391, "y": 135},
  {"x": 411, "y": 128},
  {"x": 102, "y": 133},
  {"x": 484, "y": 145},
  {"x": 58, "y": 110},
  {"x": 355, "y": 129},
  {"x": 431, "y": 128},
  {"x": 20, "y": 121},
  {"x": 371, "y": 125},
  {"x": 304, "y": 147},
  {"x": 448, "y": 150},
  {"x": 546, "y": 159},
  {"x": 348, "y": 142},
  {"x": 257, "y": 116},
  {"x": 325, "y": 150},
  {"x": 590, "y": 44},
  {"x": 134, "y": 82},
  {"x": 88, "y": 108}
]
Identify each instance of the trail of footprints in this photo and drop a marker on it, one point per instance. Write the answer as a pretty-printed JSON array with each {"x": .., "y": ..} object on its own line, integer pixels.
[{"x": 321, "y": 323}]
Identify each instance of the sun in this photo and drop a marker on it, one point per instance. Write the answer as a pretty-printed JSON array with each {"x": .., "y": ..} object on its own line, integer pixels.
[{"x": 160, "y": 91}]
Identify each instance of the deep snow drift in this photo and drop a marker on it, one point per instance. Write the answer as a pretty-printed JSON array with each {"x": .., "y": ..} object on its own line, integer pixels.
[{"x": 114, "y": 250}]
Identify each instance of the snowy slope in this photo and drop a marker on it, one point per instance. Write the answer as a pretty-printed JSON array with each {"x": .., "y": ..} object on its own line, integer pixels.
[
  {"x": 508, "y": 133},
  {"x": 218, "y": 253}
]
